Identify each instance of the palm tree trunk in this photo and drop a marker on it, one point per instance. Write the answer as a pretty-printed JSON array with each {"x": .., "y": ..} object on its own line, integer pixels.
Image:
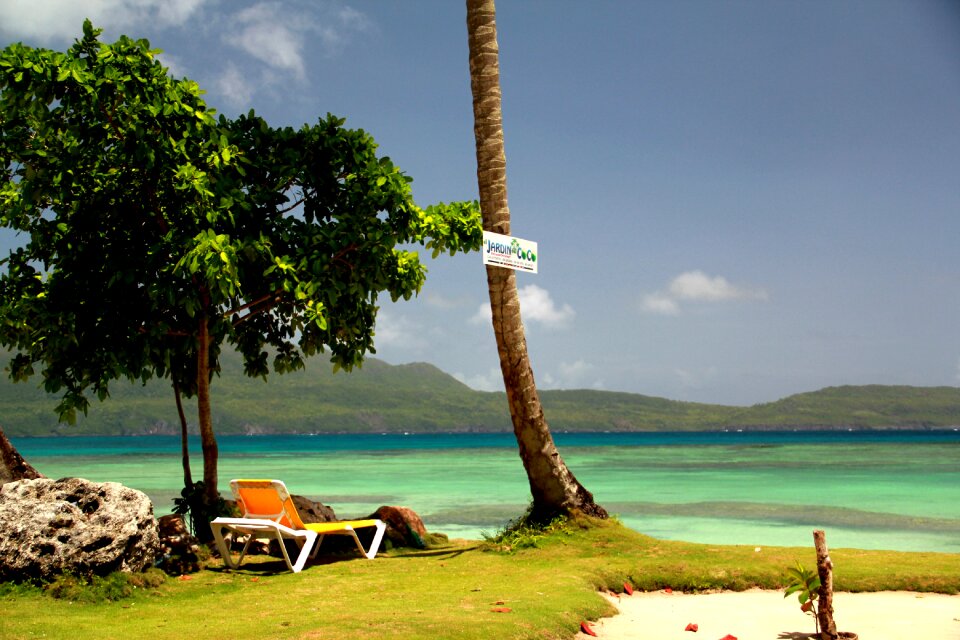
[{"x": 554, "y": 488}]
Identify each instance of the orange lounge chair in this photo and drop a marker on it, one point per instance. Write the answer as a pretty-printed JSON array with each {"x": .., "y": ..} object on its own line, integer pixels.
[{"x": 269, "y": 512}]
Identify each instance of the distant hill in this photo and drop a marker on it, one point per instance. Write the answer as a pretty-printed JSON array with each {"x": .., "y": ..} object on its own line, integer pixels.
[{"x": 381, "y": 397}]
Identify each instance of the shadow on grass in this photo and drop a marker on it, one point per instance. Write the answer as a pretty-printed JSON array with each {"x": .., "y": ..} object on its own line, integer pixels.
[{"x": 433, "y": 553}]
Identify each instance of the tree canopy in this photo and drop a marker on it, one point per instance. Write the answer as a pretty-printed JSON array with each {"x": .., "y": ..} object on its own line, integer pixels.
[{"x": 153, "y": 232}]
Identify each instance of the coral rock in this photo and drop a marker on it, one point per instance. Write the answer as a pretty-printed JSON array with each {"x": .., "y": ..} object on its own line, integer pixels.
[{"x": 49, "y": 527}]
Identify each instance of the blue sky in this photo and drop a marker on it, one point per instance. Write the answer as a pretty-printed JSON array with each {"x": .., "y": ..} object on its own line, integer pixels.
[{"x": 734, "y": 200}]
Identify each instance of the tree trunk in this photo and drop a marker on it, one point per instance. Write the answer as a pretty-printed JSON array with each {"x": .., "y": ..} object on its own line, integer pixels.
[
  {"x": 207, "y": 439},
  {"x": 554, "y": 488},
  {"x": 184, "y": 443},
  {"x": 828, "y": 628}
]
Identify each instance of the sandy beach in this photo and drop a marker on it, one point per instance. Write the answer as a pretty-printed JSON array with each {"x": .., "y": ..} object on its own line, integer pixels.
[{"x": 766, "y": 615}]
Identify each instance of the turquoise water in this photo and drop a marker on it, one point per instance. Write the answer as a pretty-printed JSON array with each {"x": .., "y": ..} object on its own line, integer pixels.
[{"x": 870, "y": 490}]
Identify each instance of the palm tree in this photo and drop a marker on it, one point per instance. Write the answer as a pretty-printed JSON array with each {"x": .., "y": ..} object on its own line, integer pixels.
[{"x": 554, "y": 488}]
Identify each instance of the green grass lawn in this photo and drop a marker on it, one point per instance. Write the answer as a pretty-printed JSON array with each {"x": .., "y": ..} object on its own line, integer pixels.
[{"x": 464, "y": 590}]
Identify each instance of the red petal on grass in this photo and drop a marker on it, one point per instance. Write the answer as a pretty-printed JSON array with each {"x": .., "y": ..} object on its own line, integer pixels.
[
  {"x": 185, "y": 577},
  {"x": 501, "y": 609},
  {"x": 628, "y": 588},
  {"x": 692, "y": 627},
  {"x": 587, "y": 630}
]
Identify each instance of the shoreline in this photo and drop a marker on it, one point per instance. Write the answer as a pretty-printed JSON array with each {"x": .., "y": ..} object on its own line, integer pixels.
[
  {"x": 764, "y": 615},
  {"x": 754, "y": 429}
]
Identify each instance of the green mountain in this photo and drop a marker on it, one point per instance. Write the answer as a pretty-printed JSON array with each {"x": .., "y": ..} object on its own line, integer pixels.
[{"x": 381, "y": 397}]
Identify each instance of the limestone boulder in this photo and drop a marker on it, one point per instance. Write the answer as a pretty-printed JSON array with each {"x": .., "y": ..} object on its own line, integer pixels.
[{"x": 49, "y": 527}]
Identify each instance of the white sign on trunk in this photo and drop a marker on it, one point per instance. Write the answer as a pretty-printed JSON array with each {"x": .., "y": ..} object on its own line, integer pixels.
[{"x": 509, "y": 252}]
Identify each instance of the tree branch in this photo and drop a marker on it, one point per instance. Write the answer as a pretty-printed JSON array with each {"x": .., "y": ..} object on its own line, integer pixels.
[{"x": 293, "y": 206}]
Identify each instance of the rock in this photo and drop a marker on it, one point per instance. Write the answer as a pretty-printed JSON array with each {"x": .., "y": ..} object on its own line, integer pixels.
[
  {"x": 404, "y": 526},
  {"x": 179, "y": 550},
  {"x": 12, "y": 465},
  {"x": 172, "y": 525},
  {"x": 311, "y": 511},
  {"x": 49, "y": 527}
]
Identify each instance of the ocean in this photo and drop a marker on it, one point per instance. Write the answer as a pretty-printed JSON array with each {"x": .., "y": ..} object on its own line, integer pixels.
[{"x": 895, "y": 490}]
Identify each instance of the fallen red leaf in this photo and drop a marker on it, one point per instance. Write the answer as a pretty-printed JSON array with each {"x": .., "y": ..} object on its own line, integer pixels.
[
  {"x": 587, "y": 630},
  {"x": 628, "y": 588},
  {"x": 728, "y": 637},
  {"x": 185, "y": 577},
  {"x": 692, "y": 627},
  {"x": 667, "y": 590},
  {"x": 501, "y": 609}
]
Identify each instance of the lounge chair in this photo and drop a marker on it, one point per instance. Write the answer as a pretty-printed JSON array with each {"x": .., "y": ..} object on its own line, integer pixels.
[{"x": 269, "y": 512}]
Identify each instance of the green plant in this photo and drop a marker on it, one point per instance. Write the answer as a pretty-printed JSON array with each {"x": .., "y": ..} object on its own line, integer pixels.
[
  {"x": 449, "y": 593},
  {"x": 805, "y": 583},
  {"x": 524, "y": 533},
  {"x": 98, "y": 589},
  {"x": 193, "y": 504}
]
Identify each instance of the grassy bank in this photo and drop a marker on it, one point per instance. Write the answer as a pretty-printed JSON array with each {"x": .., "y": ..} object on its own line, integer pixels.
[{"x": 461, "y": 591}]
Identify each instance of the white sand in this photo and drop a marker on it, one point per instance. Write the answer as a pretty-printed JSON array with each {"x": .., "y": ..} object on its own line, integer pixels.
[{"x": 766, "y": 615}]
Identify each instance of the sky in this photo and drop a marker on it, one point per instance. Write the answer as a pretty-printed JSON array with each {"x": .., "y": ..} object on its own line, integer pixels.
[{"x": 733, "y": 200}]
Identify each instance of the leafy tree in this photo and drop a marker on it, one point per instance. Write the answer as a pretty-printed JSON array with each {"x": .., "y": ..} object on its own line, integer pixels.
[
  {"x": 154, "y": 232},
  {"x": 554, "y": 488}
]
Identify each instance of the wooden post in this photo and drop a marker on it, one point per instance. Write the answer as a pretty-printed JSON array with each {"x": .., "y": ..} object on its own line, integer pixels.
[{"x": 828, "y": 628}]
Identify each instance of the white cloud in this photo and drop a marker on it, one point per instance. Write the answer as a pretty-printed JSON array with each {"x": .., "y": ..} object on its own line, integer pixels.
[
  {"x": 697, "y": 286},
  {"x": 442, "y": 302},
  {"x": 271, "y": 35},
  {"x": 277, "y": 36},
  {"x": 397, "y": 332},
  {"x": 55, "y": 20},
  {"x": 578, "y": 375},
  {"x": 490, "y": 381},
  {"x": 536, "y": 305},
  {"x": 235, "y": 86},
  {"x": 695, "y": 379},
  {"x": 660, "y": 303}
]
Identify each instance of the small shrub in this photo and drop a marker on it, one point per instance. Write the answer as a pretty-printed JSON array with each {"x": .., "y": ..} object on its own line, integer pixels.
[
  {"x": 192, "y": 503},
  {"x": 110, "y": 588},
  {"x": 805, "y": 584},
  {"x": 149, "y": 579},
  {"x": 525, "y": 534},
  {"x": 14, "y": 589}
]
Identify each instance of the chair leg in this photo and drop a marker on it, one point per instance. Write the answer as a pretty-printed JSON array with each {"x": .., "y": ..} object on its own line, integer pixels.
[
  {"x": 305, "y": 550},
  {"x": 222, "y": 547},
  {"x": 306, "y": 546},
  {"x": 316, "y": 546},
  {"x": 246, "y": 545},
  {"x": 375, "y": 545}
]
